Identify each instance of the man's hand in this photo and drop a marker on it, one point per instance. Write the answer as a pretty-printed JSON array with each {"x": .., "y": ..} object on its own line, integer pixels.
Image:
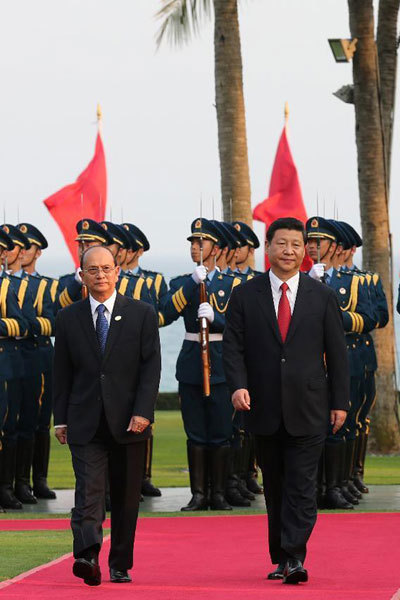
[
  {"x": 138, "y": 424},
  {"x": 199, "y": 274},
  {"x": 61, "y": 434},
  {"x": 78, "y": 277},
  {"x": 206, "y": 311},
  {"x": 338, "y": 417},
  {"x": 317, "y": 271},
  {"x": 241, "y": 399}
]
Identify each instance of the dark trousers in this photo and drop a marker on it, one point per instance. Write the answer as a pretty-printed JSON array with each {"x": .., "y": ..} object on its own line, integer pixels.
[
  {"x": 125, "y": 466},
  {"x": 289, "y": 466},
  {"x": 369, "y": 396},
  {"x": 46, "y": 404},
  {"x": 207, "y": 421}
]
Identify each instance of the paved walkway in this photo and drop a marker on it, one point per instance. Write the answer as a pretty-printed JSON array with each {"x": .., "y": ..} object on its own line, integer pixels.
[{"x": 380, "y": 498}]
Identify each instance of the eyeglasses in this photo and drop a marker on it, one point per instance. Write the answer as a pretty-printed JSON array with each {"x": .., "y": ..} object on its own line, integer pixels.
[{"x": 107, "y": 270}]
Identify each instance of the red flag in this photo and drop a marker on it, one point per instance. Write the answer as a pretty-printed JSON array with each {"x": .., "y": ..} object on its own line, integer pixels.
[
  {"x": 86, "y": 198},
  {"x": 285, "y": 198}
]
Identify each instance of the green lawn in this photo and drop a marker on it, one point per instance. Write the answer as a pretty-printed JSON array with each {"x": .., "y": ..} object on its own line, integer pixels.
[
  {"x": 170, "y": 464},
  {"x": 23, "y": 550}
]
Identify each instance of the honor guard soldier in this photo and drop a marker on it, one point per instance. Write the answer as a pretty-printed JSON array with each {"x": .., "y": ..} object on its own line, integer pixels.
[
  {"x": 207, "y": 419},
  {"x": 41, "y": 455},
  {"x": 246, "y": 252},
  {"x": 157, "y": 288},
  {"x": 133, "y": 286},
  {"x": 368, "y": 390},
  {"x": 25, "y": 392},
  {"x": 89, "y": 233},
  {"x": 226, "y": 252},
  {"x": 239, "y": 242},
  {"x": 358, "y": 317},
  {"x": 155, "y": 281},
  {"x": 12, "y": 325}
]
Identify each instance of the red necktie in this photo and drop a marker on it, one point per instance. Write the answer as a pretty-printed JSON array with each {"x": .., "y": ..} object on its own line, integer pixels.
[{"x": 284, "y": 314}]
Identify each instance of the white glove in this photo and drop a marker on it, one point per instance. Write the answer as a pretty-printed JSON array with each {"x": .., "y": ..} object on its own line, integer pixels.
[
  {"x": 317, "y": 271},
  {"x": 206, "y": 311},
  {"x": 78, "y": 278},
  {"x": 199, "y": 274}
]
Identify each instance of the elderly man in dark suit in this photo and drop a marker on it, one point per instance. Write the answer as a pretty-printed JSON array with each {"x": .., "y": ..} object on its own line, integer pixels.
[
  {"x": 106, "y": 377},
  {"x": 286, "y": 365}
]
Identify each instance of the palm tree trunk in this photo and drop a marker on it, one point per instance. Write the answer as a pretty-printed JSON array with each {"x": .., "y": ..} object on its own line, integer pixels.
[
  {"x": 387, "y": 60},
  {"x": 373, "y": 191},
  {"x": 232, "y": 139}
]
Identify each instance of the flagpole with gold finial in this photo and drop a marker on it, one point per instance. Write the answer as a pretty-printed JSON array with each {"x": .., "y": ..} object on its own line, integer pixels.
[
  {"x": 286, "y": 113},
  {"x": 99, "y": 119}
]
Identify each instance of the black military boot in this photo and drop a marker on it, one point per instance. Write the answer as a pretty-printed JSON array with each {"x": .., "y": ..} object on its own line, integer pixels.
[
  {"x": 2, "y": 510},
  {"x": 148, "y": 489},
  {"x": 347, "y": 470},
  {"x": 40, "y": 466},
  {"x": 334, "y": 466},
  {"x": 219, "y": 468},
  {"x": 198, "y": 473},
  {"x": 232, "y": 494},
  {"x": 23, "y": 490},
  {"x": 251, "y": 467},
  {"x": 359, "y": 461},
  {"x": 7, "y": 471}
]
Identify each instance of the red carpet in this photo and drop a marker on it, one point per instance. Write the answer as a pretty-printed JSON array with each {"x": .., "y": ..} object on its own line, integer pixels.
[{"x": 351, "y": 556}]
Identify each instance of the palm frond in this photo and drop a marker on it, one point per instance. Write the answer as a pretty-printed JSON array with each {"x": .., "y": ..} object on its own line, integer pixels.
[{"x": 181, "y": 20}]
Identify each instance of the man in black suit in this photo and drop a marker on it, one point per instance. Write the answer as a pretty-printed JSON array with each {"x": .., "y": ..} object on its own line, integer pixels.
[
  {"x": 106, "y": 377},
  {"x": 286, "y": 365}
]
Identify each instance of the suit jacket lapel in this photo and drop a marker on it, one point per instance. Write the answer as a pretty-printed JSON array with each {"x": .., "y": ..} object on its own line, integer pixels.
[
  {"x": 267, "y": 304},
  {"x": 300, "y": 306},
  {"x": 115, "y": 324},
  {"x": 85, "y": 316}
]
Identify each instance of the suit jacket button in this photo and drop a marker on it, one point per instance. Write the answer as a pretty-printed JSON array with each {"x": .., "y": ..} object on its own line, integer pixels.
[
  {"x": 283, "y": 360},
  {"x": 102, "y": 376}
]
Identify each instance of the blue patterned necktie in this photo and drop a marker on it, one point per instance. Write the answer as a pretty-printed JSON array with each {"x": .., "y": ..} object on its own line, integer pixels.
[{"x": 101, "y": 326}]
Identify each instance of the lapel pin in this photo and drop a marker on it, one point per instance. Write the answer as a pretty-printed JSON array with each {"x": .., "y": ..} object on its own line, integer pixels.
[{"x": 117, "y": 318}]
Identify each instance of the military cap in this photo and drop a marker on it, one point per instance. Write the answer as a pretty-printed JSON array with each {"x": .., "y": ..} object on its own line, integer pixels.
[
  {"x": 352, "y": 233},
  {"x": 231, "y": 239},
  {"x": 342, "y": 236},
  {"x": 117, "y": 234},
  {"x": 141, "y": 239},
  {"x": 138, "y": 235},
  {"x": 33, "y": 234},
  {"x": 251, "y": 238},
  {"x": 204, "y": 229},
  {"x": 223, "y": 241},
  {"x": 133, "y": 242},
  {"x": 89, "y": 230},
  {"x": 18, "y": 238},
  {"x": 6, "y": 242},
  {"x": 318, "y": 227},
  {"x": 237, "y": 237}
]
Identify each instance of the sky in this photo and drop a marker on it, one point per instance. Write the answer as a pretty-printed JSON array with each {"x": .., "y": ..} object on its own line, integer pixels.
[{"x": 159, "y": 120}]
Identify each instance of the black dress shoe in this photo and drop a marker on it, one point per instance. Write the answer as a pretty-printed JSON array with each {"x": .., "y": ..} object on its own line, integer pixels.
[
  {"x": 88, "y": 570},
  {"x": 278, "y": 573},
  {"x": 294, "y": 572},
  {"x": 148, "y": 489},
  {"x": 117, "y": 576}
]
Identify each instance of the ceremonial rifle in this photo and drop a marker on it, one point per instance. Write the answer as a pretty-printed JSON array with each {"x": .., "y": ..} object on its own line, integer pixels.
[
  {"x": 84, "y": 292},
  {"x": 204, "y": 331}
]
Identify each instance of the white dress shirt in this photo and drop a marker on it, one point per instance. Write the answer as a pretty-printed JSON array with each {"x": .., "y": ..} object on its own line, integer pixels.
[
  {"x": 109, "y": 304},
  {"x": 291, "y": 292}
]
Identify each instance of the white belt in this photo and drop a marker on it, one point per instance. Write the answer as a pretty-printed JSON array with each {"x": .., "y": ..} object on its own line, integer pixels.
[{"x": 195, "y": 337}]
